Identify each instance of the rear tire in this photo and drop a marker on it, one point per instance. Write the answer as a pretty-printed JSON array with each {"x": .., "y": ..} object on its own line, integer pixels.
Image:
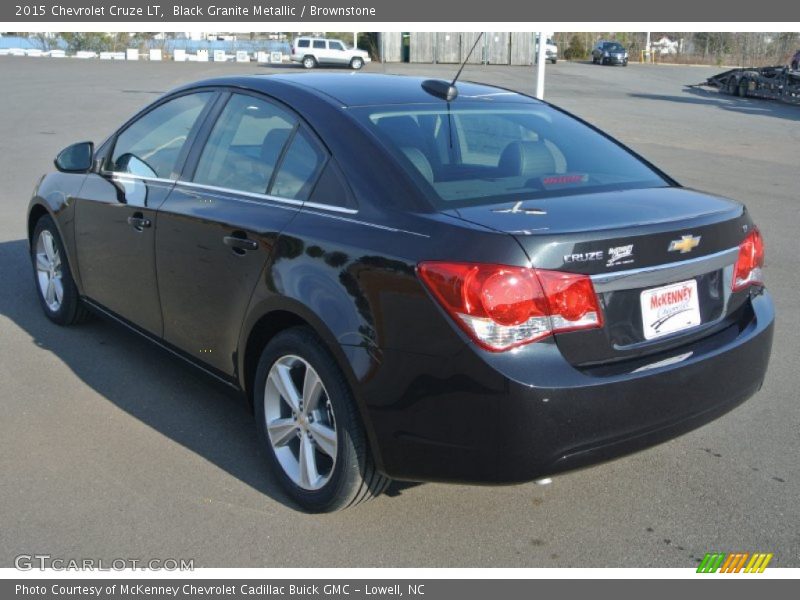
[
  {"x": 743, "y": 89},
  {"x": 309, "y": 62},
  {"x": 58, "y": 295},
  {"x": 313, "y": 438},
  {"x": 357, "y": 63}
]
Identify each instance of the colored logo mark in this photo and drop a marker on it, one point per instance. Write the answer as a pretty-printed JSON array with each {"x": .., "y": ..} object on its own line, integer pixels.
[{"x": 734, "y": 562}]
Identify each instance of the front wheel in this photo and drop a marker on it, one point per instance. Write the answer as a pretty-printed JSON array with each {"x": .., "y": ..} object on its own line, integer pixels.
[
  {"x": 57, "y": 292},
  {"x": 357, "y": 63},
  {"x": 309, "y": 62},
  {"x": 309, "y": 425}
]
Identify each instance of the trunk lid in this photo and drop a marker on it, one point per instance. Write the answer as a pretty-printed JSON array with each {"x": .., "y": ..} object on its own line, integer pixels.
[{"x": 632, "y": 243}]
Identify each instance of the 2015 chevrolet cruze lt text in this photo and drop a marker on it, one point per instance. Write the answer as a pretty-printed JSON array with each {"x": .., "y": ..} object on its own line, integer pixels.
[{"x": 407, "y": 282}]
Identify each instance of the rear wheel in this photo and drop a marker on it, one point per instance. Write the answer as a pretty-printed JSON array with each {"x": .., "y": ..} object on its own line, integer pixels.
[
  {"x": 57, "y": 292},
  {"x": 309, "y": 62},
  {"x": 357, "y": 63},
  {"x": 309, "y": 425},
  {"x": 744, "y": 86}
]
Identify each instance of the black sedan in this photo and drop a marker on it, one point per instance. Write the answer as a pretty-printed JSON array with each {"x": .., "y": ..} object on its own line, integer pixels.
[
  {"x": 610, "y": 53},
  {"x": 408, "y": 280}
]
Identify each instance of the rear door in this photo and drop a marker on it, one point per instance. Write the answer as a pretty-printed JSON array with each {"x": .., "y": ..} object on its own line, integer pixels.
[
  {"x": 320, "y": 50},
  {"x": 217, "y": 229},
  {"x": 116, "y": 209}
]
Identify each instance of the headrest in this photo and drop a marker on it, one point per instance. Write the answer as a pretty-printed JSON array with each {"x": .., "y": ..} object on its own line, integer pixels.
[{"x": 526, "y": 158}]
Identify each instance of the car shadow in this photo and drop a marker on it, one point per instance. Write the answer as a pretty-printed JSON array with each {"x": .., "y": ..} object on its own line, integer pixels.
[
  {"x": 193, "y": 409},
  {"x": 749, "y": 106}
]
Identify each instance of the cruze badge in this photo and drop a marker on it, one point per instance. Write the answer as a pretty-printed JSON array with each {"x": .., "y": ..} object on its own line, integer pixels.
[
  {"x": 620, "y": 255},
  {"x": 583, "y": 256},
  {"x": 686, "y": 244}
]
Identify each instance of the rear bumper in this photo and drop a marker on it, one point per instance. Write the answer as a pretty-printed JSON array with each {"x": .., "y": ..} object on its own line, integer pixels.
[{"x": 517, "y": 416}]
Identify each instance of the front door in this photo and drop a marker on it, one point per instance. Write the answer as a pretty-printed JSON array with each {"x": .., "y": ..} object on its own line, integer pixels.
[{"x": 115, "y": 213}]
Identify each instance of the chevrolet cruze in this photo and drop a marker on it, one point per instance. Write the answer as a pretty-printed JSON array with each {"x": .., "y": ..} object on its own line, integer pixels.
[{"x": 409, "y": 280}]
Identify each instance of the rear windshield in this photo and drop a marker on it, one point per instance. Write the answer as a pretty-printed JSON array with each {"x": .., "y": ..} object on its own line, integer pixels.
[{"x": 489, "y": 154}]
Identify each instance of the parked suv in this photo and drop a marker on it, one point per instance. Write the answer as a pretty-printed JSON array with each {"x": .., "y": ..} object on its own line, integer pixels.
[
  {"x": 550, "y": 50},
  {"x": 311, "y": 52},
  {"x": 610, "y": 53}
]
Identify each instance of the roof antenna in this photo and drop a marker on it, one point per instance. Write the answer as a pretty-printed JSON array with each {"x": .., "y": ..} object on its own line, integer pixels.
[{"x": 442, "y": 89}]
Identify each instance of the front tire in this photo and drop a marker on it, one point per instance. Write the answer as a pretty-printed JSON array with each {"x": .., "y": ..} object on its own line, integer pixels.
[
  {"x": 309, "y": 425},
  {"x": 357, "y": 63},
  {"x": 58, "y": 295}
]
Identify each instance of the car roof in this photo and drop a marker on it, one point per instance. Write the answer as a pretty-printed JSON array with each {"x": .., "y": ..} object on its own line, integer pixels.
[{"x": 365, "y": 89}]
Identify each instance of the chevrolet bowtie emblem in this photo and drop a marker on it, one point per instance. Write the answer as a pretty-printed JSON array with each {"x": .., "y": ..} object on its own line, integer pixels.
[{"x": 686, "y": 244}]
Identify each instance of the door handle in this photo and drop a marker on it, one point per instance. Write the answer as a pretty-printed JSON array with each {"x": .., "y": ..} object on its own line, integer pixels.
[
  {"x": 138, "y": 221},
  {"x": 240, "y": 244}
]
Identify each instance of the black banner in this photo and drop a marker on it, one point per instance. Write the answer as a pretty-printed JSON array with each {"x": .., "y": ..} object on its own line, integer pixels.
[
  {"x": 360, "y": 589},
  {"x": 463, "y": 11}
]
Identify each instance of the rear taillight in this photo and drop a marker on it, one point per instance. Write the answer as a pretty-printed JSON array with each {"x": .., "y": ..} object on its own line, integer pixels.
[
  {"x": 749, "y": 264},
  {"x": 501, "y": 307}
]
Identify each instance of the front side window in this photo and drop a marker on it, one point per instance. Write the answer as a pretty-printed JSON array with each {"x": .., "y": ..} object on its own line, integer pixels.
[
  {"x": 485, "y": 154},
  {"x": 151, "y": 145},
  {"x": 245, "y": 145},
  {"x": 335, "y": 46}
]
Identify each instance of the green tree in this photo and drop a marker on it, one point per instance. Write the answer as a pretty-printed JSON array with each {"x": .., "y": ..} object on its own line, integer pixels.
[{"x": 77, "y": 41}]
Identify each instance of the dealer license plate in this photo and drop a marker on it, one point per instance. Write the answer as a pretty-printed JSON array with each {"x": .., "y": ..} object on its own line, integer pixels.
[{"x": 669, "y": 309}]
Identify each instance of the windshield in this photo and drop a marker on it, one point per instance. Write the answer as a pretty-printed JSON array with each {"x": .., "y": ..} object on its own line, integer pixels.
[
  {"x": 614, "y": 48},
  {"x": 491, "y": 154}
]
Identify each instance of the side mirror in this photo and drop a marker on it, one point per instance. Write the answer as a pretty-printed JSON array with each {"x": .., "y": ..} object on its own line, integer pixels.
[{"x": 77, "y": 158}]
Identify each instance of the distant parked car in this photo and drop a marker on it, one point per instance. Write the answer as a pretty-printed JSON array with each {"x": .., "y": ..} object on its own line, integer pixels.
[
  {"x": 550, "y": 50},
  {"x": 610, "y": 53},
  {"x": 311, "y": 52}
]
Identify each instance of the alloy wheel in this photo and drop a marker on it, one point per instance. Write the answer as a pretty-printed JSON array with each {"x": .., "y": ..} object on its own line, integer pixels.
[
  {"x": 300, "y": 422},
  {"x": 48, "y": 271}
]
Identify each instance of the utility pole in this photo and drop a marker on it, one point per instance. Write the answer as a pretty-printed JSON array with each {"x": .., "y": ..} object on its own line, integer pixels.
[{"x": 540, "y": 60}]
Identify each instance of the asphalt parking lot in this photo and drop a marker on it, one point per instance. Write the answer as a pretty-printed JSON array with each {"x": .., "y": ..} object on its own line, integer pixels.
[{"x": 112, "y": 448}]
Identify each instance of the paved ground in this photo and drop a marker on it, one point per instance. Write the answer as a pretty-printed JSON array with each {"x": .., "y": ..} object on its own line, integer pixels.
[{"x": 110, "y": 447}]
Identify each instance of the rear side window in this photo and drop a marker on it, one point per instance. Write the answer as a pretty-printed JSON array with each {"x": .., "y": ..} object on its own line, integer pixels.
[
  {"x": 299, "y": 169},
  {"x": 151, "y": 145},
  {"x": 319, "y": 44},
  {"x": 302, "y": 44},
  {"x": 245, "y": 145}
]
